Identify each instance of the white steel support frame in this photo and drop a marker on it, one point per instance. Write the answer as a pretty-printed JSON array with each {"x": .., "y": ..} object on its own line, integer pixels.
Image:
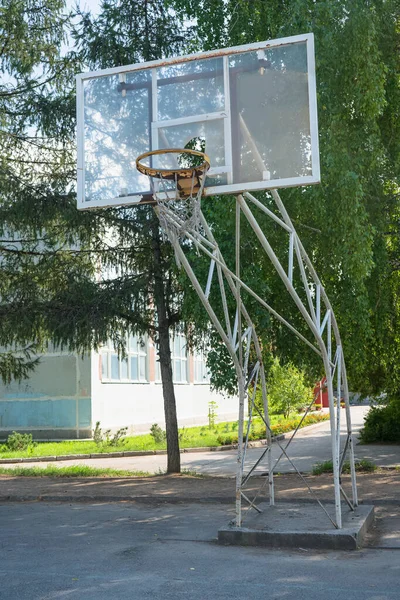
[{"x": 241, "y": 335}]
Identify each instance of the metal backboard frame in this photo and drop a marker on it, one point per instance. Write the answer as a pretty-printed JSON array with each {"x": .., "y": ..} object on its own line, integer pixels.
[{"x": 220, "y": 118}]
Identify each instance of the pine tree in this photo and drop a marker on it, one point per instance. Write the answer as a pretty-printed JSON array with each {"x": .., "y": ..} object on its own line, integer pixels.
[
  {"x": 127, "y": 32},
  {"x": 30, "y": 116},
  {"x": 49, "y": 288}
]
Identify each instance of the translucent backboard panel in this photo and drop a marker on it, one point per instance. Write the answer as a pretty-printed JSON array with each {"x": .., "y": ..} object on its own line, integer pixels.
[
  {"x": 189, "y": 89},
  {"x": 251, "y": 108},
  {"x": 203, "y": 133},
  {"x": 271, "y": 124}
]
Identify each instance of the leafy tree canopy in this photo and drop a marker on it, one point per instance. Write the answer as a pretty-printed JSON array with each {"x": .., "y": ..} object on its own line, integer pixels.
[
  {"x": 287, "y": 389},
  {"x": 349, "y": 224}
]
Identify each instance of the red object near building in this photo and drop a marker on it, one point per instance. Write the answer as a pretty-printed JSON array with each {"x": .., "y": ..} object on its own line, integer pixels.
[{"x": 322, "y": 391}]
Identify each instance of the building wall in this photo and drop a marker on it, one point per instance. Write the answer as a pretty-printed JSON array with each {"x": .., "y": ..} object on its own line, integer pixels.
[
  {"x": 139, "y": 405},
  {"x": 66, "y": 395},
  {"x": 54, "y": 403}
]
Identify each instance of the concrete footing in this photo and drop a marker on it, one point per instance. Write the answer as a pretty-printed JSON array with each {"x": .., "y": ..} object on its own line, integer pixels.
[{"x": 300, "y": 526}]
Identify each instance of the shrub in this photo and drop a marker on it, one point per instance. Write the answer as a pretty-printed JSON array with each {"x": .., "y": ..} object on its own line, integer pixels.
[
  {"x": 183, "y": 434},
  {"x": 104, "y": 438},
  {"x": 224, "y": 440},
  {"x": 19, "y": 441},
  {"x": 382, "y": 424},
  {"x": 363, "y": 466},
  {"x": 287, "y": 390},
  {"x": 212, "y": 414},
  {"x": 158, "y": 435},
  {"x": 258, "y": 432},
  {"x": 117, "y": 439}
]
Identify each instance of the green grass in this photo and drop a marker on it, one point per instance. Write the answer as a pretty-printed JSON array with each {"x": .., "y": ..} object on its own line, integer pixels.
[
  {"x": 193, "y": 437},
  {"x": 363, "y": 466},
  {"x": 74, "y": 471}
]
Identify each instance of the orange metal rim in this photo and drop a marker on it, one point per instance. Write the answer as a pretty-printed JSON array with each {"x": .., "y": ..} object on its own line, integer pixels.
[{"x": 167, "y": 173}]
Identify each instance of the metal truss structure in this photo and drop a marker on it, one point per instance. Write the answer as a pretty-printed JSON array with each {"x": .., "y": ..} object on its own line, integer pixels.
[{"x": 241, "y": 339}]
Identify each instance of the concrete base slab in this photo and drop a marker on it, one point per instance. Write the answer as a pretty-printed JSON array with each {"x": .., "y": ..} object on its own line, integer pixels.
[{"x": 300, "y": 526}]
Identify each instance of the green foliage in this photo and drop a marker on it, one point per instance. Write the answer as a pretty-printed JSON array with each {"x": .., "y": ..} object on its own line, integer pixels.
[
  {"x": 73, "y": 471},
  {"x": 19, "y": 441},
  {"x": 382, "y": 423},
  {"x": 36, "y": 118},
  {"x": 258, "y": 432},
  {"x": 127, "y": 32},
  {"x": 190, "y": 438},
  {"x": 287, "y": 390},
  {"x": 49, "y": 251},
  {"x": 349, "y": 223},
  {"x": 363, "y": 466},
  {"x": 106, "y": 439},
  {"x": 17, "y": 365},
  {"x": 184, "y": 435},
  {"x": 219, "y": 363},
  {"x": 158, "y": 434},
  {"x": 292, "y": 423},
  {"x": 212, "y": 414}
]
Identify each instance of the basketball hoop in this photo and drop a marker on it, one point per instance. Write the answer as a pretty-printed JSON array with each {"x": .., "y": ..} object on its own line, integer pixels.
[{"x": 189, "y": 179}]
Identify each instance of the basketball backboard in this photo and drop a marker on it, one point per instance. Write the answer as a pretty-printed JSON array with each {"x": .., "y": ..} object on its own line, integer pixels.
[{"x": 251, "y": 108}]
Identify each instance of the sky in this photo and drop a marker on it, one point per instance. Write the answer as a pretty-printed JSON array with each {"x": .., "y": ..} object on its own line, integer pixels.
[
  {"x": 92, "y": 6},
  {"x": 87, "y": 5}
]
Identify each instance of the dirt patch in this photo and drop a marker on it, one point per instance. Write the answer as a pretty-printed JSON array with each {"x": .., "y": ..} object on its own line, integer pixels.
[{"x": 380, "y": 488}]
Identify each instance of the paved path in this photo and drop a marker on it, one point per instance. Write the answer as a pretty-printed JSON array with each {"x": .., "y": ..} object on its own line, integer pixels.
[{"x": 311, "y": 445}]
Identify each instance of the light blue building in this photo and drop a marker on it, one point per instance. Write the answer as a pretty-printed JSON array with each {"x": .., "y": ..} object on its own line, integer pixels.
[
  {"x": 66, "y": 395},
  {"x": 54, "y": 403}
]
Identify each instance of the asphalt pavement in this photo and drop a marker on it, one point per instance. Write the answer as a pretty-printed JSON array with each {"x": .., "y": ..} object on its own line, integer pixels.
[
  {"x": 106, "y": 551},
  {"x": 162, "y": 550}
]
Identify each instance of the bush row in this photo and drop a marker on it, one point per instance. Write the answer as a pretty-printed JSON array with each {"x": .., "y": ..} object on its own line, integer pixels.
[{"x": 277, "y": 429}]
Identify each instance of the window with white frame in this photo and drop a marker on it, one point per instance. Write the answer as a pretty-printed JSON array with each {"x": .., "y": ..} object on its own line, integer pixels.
[
  {"x": 201, "y": 374},
  {"x": 132, "y": 368},
  {"x": 178, "y": 358}
]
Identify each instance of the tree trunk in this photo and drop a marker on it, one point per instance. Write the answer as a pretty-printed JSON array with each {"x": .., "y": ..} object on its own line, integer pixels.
[{"x": 171, "y": 421}]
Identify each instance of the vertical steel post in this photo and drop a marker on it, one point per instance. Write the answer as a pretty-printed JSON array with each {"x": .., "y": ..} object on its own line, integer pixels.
[
  {"x": 339, "y": 387},
  {"x": 349, "y": 434},
  {"x": 290, "y": 265},
  {"x": 241, "y": 375},
  {"x": 318, "y": 305},
  {"x": 268, "y": 436}
]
